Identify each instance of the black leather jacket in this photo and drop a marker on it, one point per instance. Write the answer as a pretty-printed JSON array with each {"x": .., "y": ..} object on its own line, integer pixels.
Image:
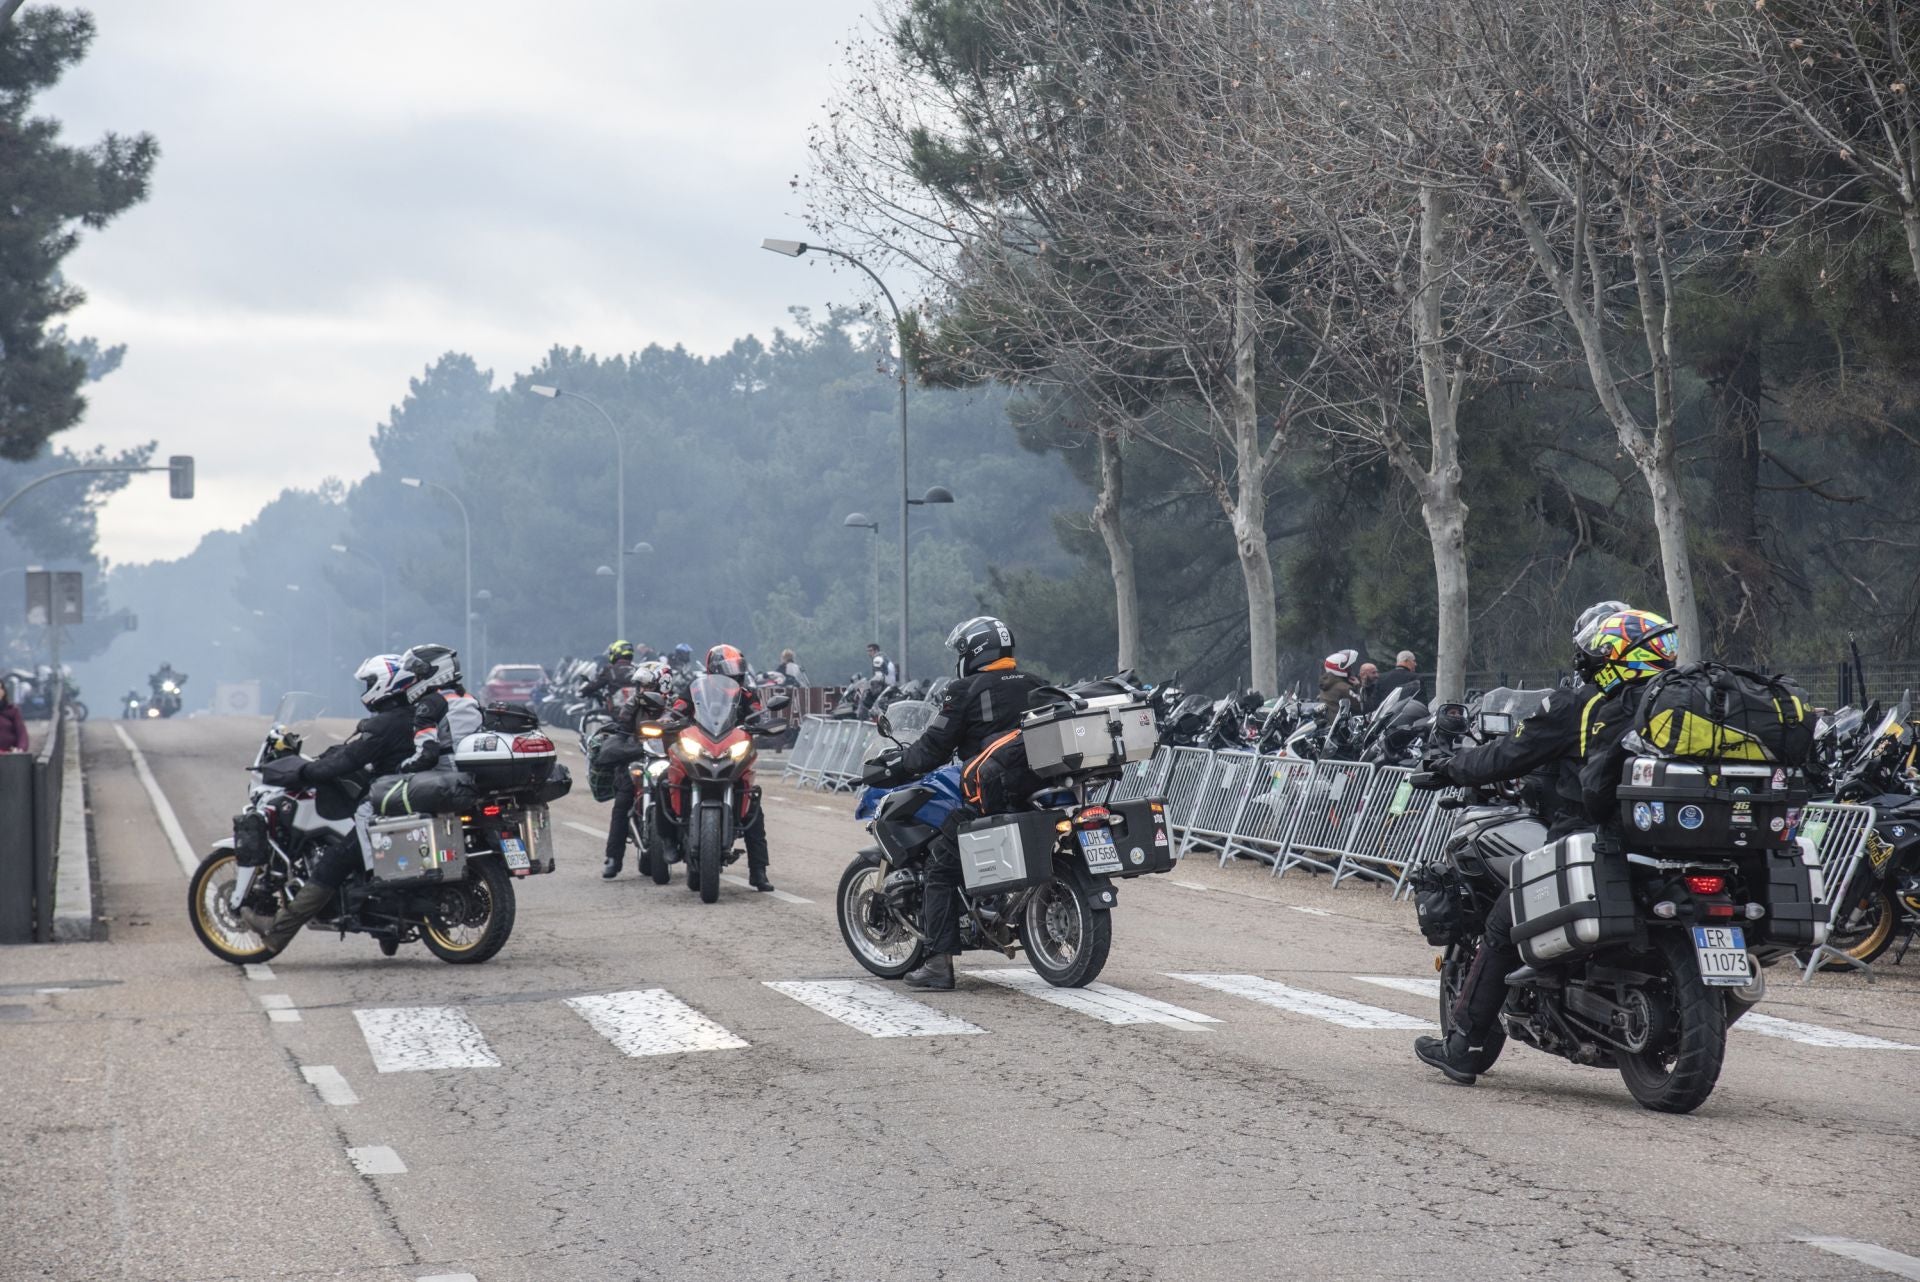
[
  {"x": 972, "y": 712},
  {"x": 379, "y": 744}
]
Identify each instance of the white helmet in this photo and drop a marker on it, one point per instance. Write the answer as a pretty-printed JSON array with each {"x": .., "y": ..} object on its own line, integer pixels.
[
  {"x": 435, "y": 667},
  {"x": 384, "y": 679}
]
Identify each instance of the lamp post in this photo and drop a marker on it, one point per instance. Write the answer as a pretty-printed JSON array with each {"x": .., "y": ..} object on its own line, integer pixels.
[
  {"x": 482, "y": 600},
  {"x": 291, "y": 587},
  {"x": 414, "y": 482},
  {"x": 380, "y": 570},
  {"x": 861, "y": 521},
  {"x": 619, "y": 505},
  {"x": 795, "y": 248}
]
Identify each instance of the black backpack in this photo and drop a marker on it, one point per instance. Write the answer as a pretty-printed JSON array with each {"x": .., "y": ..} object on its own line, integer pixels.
[{"x": 1715, "y": 712}]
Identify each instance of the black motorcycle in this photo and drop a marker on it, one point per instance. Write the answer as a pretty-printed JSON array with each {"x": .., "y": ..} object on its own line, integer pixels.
[{"x": 1881, "y": 901}]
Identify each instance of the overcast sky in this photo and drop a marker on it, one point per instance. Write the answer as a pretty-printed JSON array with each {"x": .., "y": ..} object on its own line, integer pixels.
[{"x": 348, "y": 189}]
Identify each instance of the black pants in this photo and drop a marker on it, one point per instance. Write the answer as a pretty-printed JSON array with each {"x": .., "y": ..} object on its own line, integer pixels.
[
  {"x": 1477, "y": 1011},
  {"x": 940, "y": 899},
  {"x": 617, "y": 833},
  {"x": 754, "y": 833}
]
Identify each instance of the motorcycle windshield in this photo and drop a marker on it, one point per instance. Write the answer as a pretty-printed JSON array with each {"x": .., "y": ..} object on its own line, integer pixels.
[
  {"x": 297, "y": 707},
  {"x": 1518, "y": 704},
  {"x": 715, "y": 700}
]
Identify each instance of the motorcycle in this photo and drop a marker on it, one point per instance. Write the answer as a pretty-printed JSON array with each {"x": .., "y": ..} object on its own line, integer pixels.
[
  {"x": 1650, "y": 985},
  {"x": 445, "y": 880},
  {"x": 706, "y": 797},
  {"x": 133, "y": 707},
  {"x": 166, "y": 697},
  {"x": 1075, "y": 847},
  {"x": 1881, "y": 900}
]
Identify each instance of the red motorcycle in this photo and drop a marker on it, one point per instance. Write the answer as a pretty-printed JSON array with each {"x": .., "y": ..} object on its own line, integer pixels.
[{"x": 707, "y": 797}]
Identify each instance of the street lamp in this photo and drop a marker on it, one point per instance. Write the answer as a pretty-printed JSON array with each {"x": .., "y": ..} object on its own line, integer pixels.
[
  {"x": 861, "y": 521},
  {"x": 795, "y": 248},
  {"x": 414, "y": 482},
  {"x": 291, "y": 587},
  {"x": 620, "y": 500},
  {"x": 482, "y": 600},
  {"x": 379, "y": 569}
]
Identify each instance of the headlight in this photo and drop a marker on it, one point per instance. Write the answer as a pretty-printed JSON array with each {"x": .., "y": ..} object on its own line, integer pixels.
[
  {"x": 740, "y": 749},
  {"x": 153, "y": 712},
  {"x": 688, "y": 745},
  {"x": 169, "y": 687}
]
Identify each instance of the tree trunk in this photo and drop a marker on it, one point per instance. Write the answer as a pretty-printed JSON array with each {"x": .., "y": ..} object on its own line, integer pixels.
[
  {"x": 1108, "y": 520},
  {"x": 1441, "y": 506},
  {"x": 1910, "y": 220},
  {"x": 1447, "y": 529},
  {"x": 1740, "y": 577},
  {"x": 1248, "y": 511},
  {"x": 1670, "y": 523}
]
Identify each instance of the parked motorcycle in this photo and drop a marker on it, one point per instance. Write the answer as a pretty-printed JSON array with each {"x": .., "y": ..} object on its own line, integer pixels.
[
  {"x": 1042, "y": 880},
  {"x": 706, "y": 797},
  {"x": 1881, "y": 901},
  {"x": 445, "y": 880}
]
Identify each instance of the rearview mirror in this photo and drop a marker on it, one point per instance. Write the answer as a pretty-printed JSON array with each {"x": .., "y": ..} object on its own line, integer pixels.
[
  {"x": 884, "y": 726},
  {"x": 779, "y": 703}
]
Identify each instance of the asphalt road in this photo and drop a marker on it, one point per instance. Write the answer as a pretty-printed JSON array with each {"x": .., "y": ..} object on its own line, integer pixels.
[{"x": 167, "y": 1117}]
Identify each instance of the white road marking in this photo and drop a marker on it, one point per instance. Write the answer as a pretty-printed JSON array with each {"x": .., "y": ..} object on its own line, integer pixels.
[
  {"x": 580, "y": 827},
  {"x": 1878, "y": 1257},
  {"x": 1815, "y": 1035},
  {"x": 449, "y": 1277},
  {"x": 1101, "y": 1001},
  {"x": 652, "y": 1021},
  {"x": 376, "y": 1159},
  {"x": 873, "y": 1010},
  {"x": 1190, "y": 885},
  {"x": 1312, "y": 912},
  {"x": 169, "y": 822},
  {"x": 333, "y": 1088},
  {"x": 781, "y": 895},
  {"x": 279, "y": 1008},
  {"x": 829, "y": 810},
  {"x": 258, "y": 970},
  {"x": 406, "y": 1039},
  {"x": 1301, "y": 1001},
  {"x": 1404, "y": 983}
]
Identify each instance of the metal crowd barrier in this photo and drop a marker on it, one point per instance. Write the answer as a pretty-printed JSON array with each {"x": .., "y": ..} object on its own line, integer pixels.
[
  {"x": 803, "y": 762},
  {"x": 1839, "y": 836},
  {"x": 1265, "y": 821},
  {"x": 1218, "y": 800}
]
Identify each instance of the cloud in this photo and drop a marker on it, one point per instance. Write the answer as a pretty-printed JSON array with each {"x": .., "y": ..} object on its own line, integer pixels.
[{"x": 340, "y": 201}]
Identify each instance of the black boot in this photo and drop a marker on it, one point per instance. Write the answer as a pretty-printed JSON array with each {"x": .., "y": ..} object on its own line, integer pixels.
[
  {"x": 935, "y": 972},
  {"x": 757, "y": 877},
  {"x": 1451, "y": 1055},
  {"x": 612, "y": 867}
]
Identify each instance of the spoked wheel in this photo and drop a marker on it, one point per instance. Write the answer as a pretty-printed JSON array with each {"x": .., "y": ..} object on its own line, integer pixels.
[
  {"x": 1065, "y": 938},
  {"x": 472, "y": 918},
  {"x": 1684, "y": 1025},
  {"x": 210, "y": 907},
  {"x": 874, "y": 935},
  {"x": 1453, "y": 978},
  {"x": 1866, "y": 929}
]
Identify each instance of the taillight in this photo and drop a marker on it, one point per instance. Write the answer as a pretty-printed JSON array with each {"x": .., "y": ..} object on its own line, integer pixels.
[
  {"x": 491, "y": 812},
  {"x": 1092, "y": 817},
  {"x": 532, "y": 743},
  {"x": 1705, "y": 883}
]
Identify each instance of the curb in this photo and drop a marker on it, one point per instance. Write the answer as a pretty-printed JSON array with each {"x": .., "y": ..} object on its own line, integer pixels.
[{"x": 73, "y": 862}]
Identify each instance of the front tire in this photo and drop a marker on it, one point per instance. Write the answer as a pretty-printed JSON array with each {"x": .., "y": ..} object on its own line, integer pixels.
[
  {"x": 654, "y": 847},
  {"x": 713, "y": 856},
  {"x": 1678, "y": 1074},
  {"x": 1453, "y": 977},
  {"x": 209, "y": 907},
  {"x": 1868, "y": 929},
  {"x": 871, "y": 931},
  {"x": 1066, "y": 938},
  {"x": 474, "y": 917}
]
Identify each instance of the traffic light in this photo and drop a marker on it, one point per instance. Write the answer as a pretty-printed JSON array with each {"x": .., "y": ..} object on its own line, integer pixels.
[{"x": 180, "y": 476}]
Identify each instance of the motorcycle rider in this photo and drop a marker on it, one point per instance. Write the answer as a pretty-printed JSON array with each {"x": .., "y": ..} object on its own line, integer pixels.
[
  {"x": 615, "y": 671},
  {"x": 1616, "y": 650},
  {"x": 443, "y": 712},
  {"x": 380, "y": 743},
  {"x": 986, "y": 700},
  {"x": 649, "y": 679},
  {"x": 164, "y": 675},
  {"x": 884, "y": 671},
  {"x": 727, "y": 661}
]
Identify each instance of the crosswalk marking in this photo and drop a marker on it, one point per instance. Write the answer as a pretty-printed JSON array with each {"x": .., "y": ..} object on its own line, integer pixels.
[
  {"x": 875, "y": 1011},
  {"x": 1878, "y": 1257},
  {"x": 652, "y": 1021},
  {"x": 406, "y": 1039},
  {"x": 1815, "y": 1035},
  {"x": 1404, "y": 983},
  {"x": 1102, "y": 1001},
  {"x": 580, "y": 827},
  {"x": 1301, "y": 1001}
]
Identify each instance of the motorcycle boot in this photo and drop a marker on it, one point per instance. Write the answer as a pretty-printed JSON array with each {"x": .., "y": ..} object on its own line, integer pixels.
[
  {"x": 755, "y": 836},
  {"x": 936, "y": 972},
  {"x": 1453, "y": 1055},
  {"x": 301, "y": 909}
]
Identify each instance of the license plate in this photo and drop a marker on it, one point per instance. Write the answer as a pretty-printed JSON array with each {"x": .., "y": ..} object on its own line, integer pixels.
[
  {"x": 516, "y": 852},
  {"x": 1096, "y": 844},
  {"x": 1722, "y": 951}
]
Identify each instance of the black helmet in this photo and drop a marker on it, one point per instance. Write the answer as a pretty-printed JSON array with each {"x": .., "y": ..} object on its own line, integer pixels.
[{"x": 980, "y": 641}]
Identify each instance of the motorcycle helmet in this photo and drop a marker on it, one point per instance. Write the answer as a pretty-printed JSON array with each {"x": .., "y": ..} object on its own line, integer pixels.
[
  {"x": 1630, "y": 645},
  {"x": 650, "y": 675},
  {"x": 1584, "y": 624},
  {"x": 1340, "y": 662},
  {"x": 682, "y": 655},
  {"x": 384, "y": 681},
  {"x": 619, "y": 650},
  {"x": 726, "y": 661},
  {"x": 979, "y": 642},
  {"x": 435, "y": 667}
]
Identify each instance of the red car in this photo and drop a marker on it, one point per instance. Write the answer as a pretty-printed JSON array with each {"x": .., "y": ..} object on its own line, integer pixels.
[{"x": 513, "y": 683}]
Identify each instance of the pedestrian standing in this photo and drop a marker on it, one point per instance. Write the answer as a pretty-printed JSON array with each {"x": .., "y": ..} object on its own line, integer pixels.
[{"x": 1401, "y": 674}]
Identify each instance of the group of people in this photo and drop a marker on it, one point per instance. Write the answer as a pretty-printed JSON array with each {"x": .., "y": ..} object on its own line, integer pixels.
[{"x": 1343, "y": 677}]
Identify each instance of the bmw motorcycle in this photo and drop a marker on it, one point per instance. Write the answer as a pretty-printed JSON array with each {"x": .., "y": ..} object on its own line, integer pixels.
[{"x": 1881, "y": 900}]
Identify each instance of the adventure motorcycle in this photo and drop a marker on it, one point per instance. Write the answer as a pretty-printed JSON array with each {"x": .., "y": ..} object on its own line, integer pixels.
[
  {"x": 445, "y": 880},
  {"x": 1881, "y": 900},
  {"x": 1069, "y": 849},
  {"x": 706, "y": 797}
]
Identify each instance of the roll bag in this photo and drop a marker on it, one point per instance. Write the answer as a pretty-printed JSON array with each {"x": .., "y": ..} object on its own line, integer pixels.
[
  {"x": 1714, "y": 712},
  {"x": 426, "y": 792}
]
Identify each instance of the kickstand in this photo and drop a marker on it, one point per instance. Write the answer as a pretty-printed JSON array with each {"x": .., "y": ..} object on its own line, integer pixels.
[{"x": 1906, "y": 942}]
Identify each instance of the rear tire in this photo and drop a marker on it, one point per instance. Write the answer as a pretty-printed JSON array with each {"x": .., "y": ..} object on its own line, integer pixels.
[
  {"x": 1066, "y": 938},
  {"x": 713, "y": 857},
  {"x": 485, "y": 903},
  {"x": 1453, "y": 977},
  {"x": 1678, "y": 1076},
  {"x": 213, "y": 919}
]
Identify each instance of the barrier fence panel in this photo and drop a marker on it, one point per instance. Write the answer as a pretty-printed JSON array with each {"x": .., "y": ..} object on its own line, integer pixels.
[
  {"x": 1388, "y": 828},
  {"x": 1431, "y": 841},
  {"x": 1186, "y": 775},
  {"x": 1840, "y": 838},
  {"x": 862, "y": 741},
  {"x": 1266, "y": 818},
  {"x": 1218, "y": 802},
  {"x": 1329, "y": 809},
  {"x": 1144, "y": 778},
  {"x": 806, "y": 750}
]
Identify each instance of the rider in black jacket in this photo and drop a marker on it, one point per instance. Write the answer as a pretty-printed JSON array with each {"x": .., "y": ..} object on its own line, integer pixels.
[
  {"x": 1615, "y": 651},
  {"x": 985, "y": 701}
]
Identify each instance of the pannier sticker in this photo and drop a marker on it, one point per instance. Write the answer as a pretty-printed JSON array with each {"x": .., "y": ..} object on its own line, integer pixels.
[
  {"x": 1659, "y": 812},
  {"x": 1742, "y": 791},
  {"x": 1642, "y": 773},
  {"x": 1137, "y": 856},
  {"x": 1642, "y": 816},
  {"x": 1691, "y": 817},
  {"x": 1779, "y": 780},
  {"x": 1778, "y": 824},
  {"x": 1159, "y": 836}
]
